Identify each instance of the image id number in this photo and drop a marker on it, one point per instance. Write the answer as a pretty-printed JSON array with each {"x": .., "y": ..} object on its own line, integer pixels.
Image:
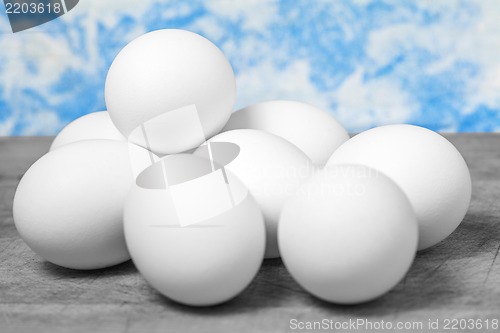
[
  {"x": 32, "y": 8},
  {"x": 470, "y": 324}
]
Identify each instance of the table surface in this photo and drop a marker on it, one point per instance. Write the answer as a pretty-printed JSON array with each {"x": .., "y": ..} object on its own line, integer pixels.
[{"x": 458, "y": 278}]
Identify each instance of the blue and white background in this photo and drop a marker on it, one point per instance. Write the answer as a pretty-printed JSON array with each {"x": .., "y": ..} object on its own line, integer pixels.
[{"x": 432, "y": 63}]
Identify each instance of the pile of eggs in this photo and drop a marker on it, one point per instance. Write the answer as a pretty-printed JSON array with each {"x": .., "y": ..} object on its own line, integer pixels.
[{"x": 198, "y": 196}]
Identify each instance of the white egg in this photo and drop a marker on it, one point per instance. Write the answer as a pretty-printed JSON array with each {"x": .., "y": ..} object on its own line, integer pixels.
[
  {"x": 193, "y": 230},
  {"x": 429, "y": 169},
  {"x": 271, "y": 168},
  {"x": 170, "y": 90},
  {"x": 95, "y": 125},
  {"x": 68, "y": 206},
  {"x": 349, "y": 234},
  {"x": 311, "y": 129}
]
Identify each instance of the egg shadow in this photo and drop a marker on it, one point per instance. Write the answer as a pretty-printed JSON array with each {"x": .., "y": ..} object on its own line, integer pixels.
[
  {"x": 269, "y": 289},
  {"x": 58, "y": 272},
  {"x": 434, "y": 280},
  {"x": 473, "y": 236},
  {"x": 402, "y": 298}
]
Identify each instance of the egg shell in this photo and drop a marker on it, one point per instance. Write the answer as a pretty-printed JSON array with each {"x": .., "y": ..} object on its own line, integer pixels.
[
  {"x": 428, "y": 168},
  {"x": 271, "y": 168},
  {"x": 208, "y": 260},
  {"x": 349, "y": 234},
  {"x": 95, "y": 125},
  {"x": 313, "y": 130},
  {"x": 175, "y": 85},
  {"x": 68, "y": 206}
]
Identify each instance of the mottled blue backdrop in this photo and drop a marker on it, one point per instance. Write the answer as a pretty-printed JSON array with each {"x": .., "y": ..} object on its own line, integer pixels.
[{"x": 430, "y": 63}]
